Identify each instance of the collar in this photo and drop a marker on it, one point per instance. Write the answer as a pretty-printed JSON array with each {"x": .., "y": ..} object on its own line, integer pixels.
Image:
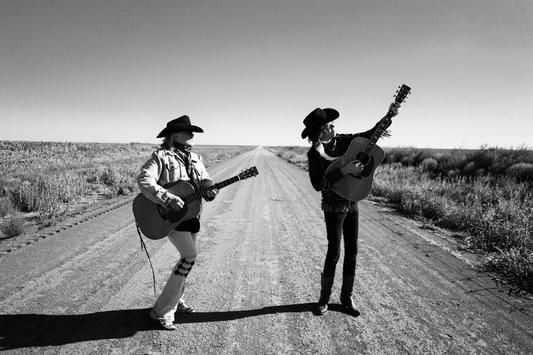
[
  {"x": 182, "y": 151},
  {"x": 322, "y": 152}
]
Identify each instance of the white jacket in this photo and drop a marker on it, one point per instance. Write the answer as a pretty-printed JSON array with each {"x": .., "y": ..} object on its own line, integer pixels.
[{"x": 165, "y": 167}]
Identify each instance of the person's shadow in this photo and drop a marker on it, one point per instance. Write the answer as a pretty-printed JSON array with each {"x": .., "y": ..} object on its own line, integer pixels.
[{"x": 39, "y": 330}]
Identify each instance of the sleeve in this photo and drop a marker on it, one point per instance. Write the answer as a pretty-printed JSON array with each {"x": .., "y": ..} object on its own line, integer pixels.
[
  {"x": 148, "y": 178},
  {"x": 368, "y": 134},
  {"x": 321, "y": 180},
  {"x": 316, "y": 173}
]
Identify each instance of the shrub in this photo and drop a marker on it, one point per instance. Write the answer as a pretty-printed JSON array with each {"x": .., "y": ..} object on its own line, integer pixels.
[
  {"x": 110, "y": 176},
  {"x": 429, "y": 164},
  {"x": 516, "y": 265},
  {"x": 4, "y": 186},
  {"x": 47, "y": 195},
  {"x": 6, "y": 206},
  {"x": 13, "y": 227},
  {"x": 521, "y": 172},
  {"x": 298, "y": 158},
  {"x": 25, "y": 197}
]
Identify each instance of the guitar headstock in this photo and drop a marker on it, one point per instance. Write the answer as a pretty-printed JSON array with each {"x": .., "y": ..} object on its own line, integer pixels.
[
  {"x": 248, "y": 173},
  {"x": 401, "y": 94}
]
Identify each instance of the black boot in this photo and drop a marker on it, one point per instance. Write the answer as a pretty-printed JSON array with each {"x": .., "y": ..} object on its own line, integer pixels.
[
  {"x": 325, "y": 292},
  {"x": 346, "y": 295}
]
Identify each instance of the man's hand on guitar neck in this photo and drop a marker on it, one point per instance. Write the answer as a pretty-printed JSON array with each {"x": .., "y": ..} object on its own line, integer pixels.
[
  {"x": 354, "y": 167},
  {"x": 210, "y": 194},
  {"x": 207, "y": 192}
]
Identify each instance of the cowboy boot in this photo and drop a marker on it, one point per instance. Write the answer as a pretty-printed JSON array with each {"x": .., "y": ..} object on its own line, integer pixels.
[
  {"x": 346, "y": 295},
  {"x": 325, "y": 292}
]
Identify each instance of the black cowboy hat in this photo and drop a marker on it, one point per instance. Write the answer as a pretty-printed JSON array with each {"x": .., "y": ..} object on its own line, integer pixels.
[
  {"x": 317, "y": 118},
  {"x": 180, "y": 124}
]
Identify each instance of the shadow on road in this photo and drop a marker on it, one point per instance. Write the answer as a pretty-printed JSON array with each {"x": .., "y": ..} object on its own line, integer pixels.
[
  {"x": 40, "y": 330},
  {"x": 205, "y": 317}
]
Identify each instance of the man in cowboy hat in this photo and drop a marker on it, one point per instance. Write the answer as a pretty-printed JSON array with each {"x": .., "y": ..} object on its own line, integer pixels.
[
  {"x": 171, "y": 163},
  {"x": 341, "y": 215}
]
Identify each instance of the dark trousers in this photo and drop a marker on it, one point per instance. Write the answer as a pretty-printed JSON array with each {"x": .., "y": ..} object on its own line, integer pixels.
[{"x": 339, "y": 224}]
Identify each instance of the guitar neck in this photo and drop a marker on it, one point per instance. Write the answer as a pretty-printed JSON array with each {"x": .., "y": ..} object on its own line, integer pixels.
[
  {"x": 384, "y": 123},
  {"x": 197, "y": 195},
  {"x": 400, "y": 97},
  {"x": 224, "y": 183}
]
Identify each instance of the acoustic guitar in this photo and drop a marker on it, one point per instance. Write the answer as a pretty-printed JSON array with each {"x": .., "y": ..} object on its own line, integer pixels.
[
  {"x": 156, "y": 221},
  {"x": 356, "y": 187}
]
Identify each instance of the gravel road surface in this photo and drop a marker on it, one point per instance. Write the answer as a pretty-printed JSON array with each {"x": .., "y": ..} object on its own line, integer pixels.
[{"x": 86, "y": 287}]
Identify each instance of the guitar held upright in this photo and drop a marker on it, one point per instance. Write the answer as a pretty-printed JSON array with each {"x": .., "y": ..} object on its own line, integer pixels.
[{"x": 356, "y": 187}]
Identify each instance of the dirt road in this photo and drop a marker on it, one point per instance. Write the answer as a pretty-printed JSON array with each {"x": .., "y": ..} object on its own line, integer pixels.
[{"x": 87, "y": 289}]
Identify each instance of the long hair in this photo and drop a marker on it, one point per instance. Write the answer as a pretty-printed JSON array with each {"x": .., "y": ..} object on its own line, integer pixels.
[
  {"x": 313, "y": 136},
  {"x": 167, "y": 144},
  {"x": 167, "y": 141}
]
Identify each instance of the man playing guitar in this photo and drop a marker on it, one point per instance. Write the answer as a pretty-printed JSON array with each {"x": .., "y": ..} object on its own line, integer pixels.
[{"x": 172, "y": 163}]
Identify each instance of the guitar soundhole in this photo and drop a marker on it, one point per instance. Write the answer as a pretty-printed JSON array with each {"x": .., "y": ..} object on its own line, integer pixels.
[
  {"x": 368, "y": 161},
  {"x": 364, "y": 158}
]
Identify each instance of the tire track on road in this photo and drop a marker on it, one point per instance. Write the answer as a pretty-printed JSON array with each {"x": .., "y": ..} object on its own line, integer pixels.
[{"x": 8, "y": 245}]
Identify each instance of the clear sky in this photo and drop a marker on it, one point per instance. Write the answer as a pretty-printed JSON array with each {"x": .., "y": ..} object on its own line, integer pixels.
[{"x": 249, "y": 71}]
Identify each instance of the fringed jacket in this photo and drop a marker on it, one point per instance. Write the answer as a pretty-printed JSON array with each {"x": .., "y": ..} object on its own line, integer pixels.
[{"x": 331, "y": 202}]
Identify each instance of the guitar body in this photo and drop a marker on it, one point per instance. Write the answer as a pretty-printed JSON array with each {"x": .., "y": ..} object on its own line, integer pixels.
[
  {"x": 155, "y": 221},
  {"x": 357, "y": 187}
]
